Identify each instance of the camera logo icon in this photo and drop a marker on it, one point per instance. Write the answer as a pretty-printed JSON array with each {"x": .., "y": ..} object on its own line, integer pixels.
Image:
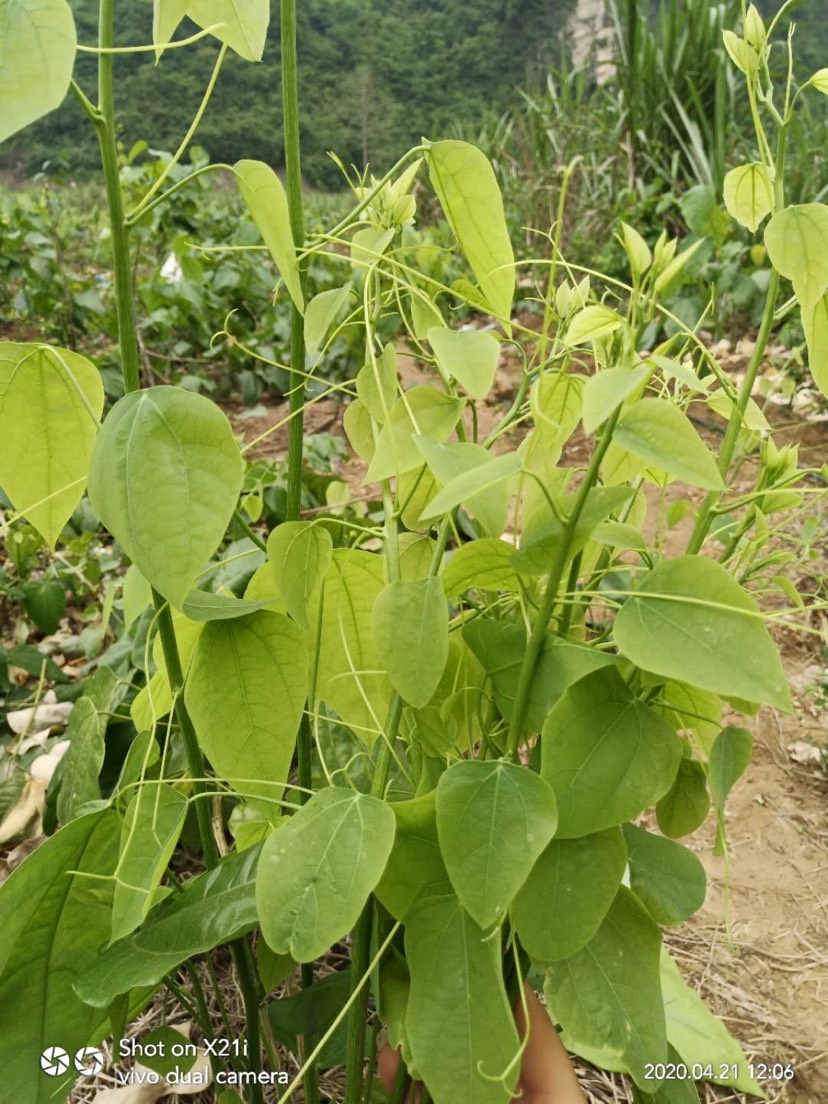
[
  {"x": 89, "y": 1061},
  {"x": 54, "y": 1061}
]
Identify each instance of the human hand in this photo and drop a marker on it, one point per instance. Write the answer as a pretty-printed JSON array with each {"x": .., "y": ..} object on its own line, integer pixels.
[{"x": 546, "y": 1073}]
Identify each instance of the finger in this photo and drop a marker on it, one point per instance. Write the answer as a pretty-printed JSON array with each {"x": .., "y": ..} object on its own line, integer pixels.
[
  {"x": 546, "y": 1075},
  {"x": 388, "y": 1062}
]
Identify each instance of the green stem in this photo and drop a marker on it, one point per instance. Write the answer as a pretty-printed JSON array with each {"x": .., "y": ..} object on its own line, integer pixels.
[
  {"x": 731, "y": 437},
  {"x": 188, "y": 137},
  {"x": 402, "y": 1081},
  {"x": 122, "y": 272},
  {"x": 248, "y": 530},
  {"x": 293, "y": 166},
  {"x": 296, "y": 397},
  {"x": 553, "y": 582},
  {"x": 130, "y": 364},
  {"x": 553, "y": 261},
  {"x": 192, "y": 750}
]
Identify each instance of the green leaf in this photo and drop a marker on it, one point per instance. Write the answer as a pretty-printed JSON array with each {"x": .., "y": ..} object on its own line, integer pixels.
[
  {"x": 685, "y": 806},
  {"x": 149, "y": 833},
  {"x": 559, "y": 910},
  {"x": 748, "y": 194},
  {"x": 667, "y": 878},
  {"x": 501, "y": 646},
  {"x": 466, "y": 186},
  {"x": 359, "y": 429},
  {"x": 460, "y": 1027},
  {"x": 55, "y": 915},
  {"x": 638, "y": 252},
  {"x": 265, "y": 197},
  {"x": 165, "y": 478},
  {"x": 471, "y": 484},
  {"x": 752, "y": 419},
  {"x": 410, "y": 625},
  {"x": 245, "y": 23},
  {"x": 415, "y": 868},
  {"x": 311, "y": 1012},
  {"x": 351, "y": 676},
  {"x": 483, "y": 564},
  {"x": 166, "y": 17},
  {"x": 697, "y": 1035},
  {"x": 245, "y": 692},
  {"x": 606, "y": 390},
  {"x": 607, "y": 755},
  {"x": 215, "y": 907},
  {"x": 376, "y": 384},
  {"x": 689, "y": 619},
  {"x": 672, "y": 1091},
  {"x": 591, "y": 324},
  {"x": 797, "y": 244},
  {"x": 556, "y": 400},
  {"x": 300, "y": 553},
  {"x": 729, "y": 759},
  {"x": 44, "y": 600},
  {"x": 608, "y": 995},
  {"x": 493, "y": 820},
  {"x": 815, "y": 325},
  {"x": 686, "y": 707},
  {"x": 422, "y": 410},
  {"x": 321, "y": 313},
  {"x": 668, "y": 280},
  {"x": 37, "y": 56},
  {"x": 449, "y": 463},
  {"x": 50, "y": 400},
  {"x": 204, "y": 605},
  {"x": 86, "y": 731},
  {"x": 137, "y": 595},
  {"x": 468, "y": 356},
  {"x": 616, "y": 534},
  {"x": 743, "y": 56},
  {"x": 317, "y": 871},
  {"x": 368, "y": 245},
  {"x": 155, "y": 699},
  {"x": 538, "y": 552},
  {"x": 165, "y": 1059},
  {"x": 659, "y": 433}
]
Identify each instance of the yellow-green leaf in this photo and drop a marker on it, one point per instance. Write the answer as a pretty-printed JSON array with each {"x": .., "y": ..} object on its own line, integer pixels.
[
  {"x": 465, "y": 183},
  {"x": 797, "y": 242},
  {"x": 591, "y": 324},
  {"x": 165, "y": 478},
  {"x": 469, "y": 356},
  {"x": 245, "y": 692},
  {"x": 245, "y": 23},
  {"x": 815, "y": 325},
  {"x": 748, "y": 194},
  {"x": 50, "y": 400},
  {"x": 422, "y": 410},
  {"x": 37, "y": 56},
  {"x": 659, "y": 433},
  {"x": 300, "y": 553},
  {"x": 265, "y": 197},
  {"x": 410, "y": 622}
]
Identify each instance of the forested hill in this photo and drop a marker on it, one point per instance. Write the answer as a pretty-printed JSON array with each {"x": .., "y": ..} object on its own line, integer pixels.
[{"x": 376, "y": 75}]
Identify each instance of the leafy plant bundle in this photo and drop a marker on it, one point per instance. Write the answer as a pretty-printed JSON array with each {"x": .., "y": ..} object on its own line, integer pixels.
[{"x": 492, "y": 695}]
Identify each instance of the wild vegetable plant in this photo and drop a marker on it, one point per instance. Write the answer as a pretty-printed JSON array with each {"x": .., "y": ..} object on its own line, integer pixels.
[{"x": 469, "y": 733}]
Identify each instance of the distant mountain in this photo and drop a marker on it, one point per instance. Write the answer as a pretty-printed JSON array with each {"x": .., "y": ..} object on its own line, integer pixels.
[{"x": 375, "y": 75}]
